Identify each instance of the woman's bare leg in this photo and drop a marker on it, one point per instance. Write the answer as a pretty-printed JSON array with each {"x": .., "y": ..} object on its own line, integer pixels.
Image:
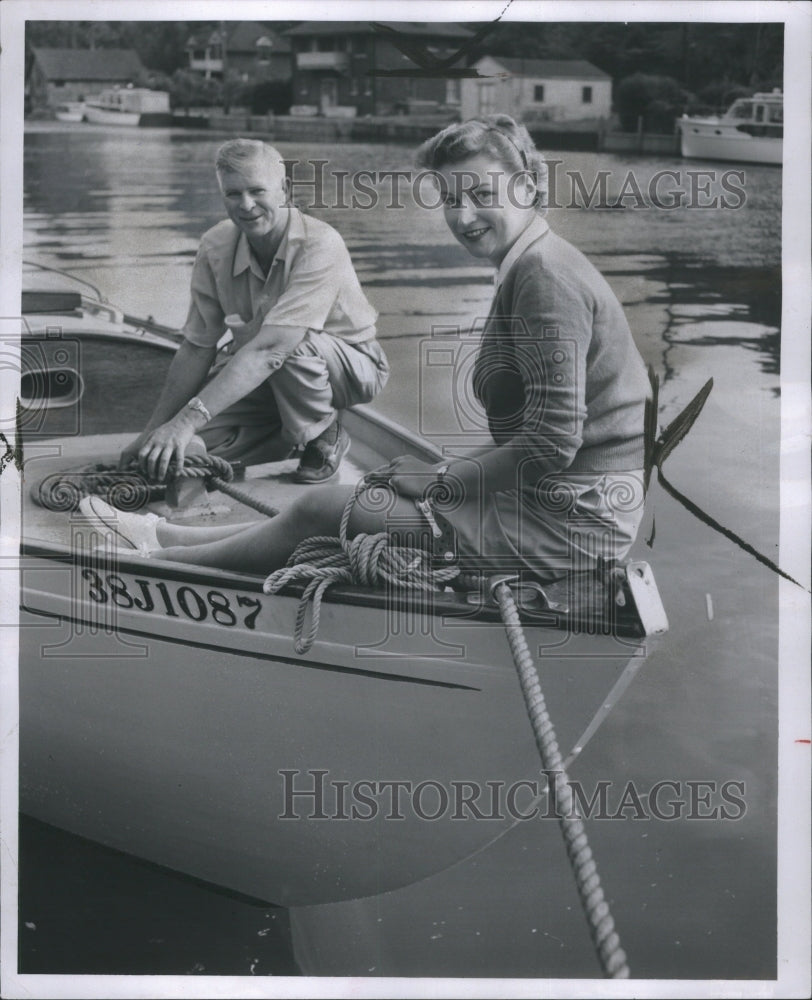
[
  {"x": 267, "y": 545},
  {"x": 189, "y": 534}
]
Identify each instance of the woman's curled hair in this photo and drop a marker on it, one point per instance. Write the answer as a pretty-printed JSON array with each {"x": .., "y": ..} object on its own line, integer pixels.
[{"x": 498, "y": 135}]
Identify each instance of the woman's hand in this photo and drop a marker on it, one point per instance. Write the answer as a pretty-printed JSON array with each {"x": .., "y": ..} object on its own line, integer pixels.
[
  {"x": 409, "y": 476},
  {"x": 166, "y": 442}
]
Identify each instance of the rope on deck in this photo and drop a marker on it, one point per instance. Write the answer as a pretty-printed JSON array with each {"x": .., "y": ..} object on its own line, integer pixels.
[
  {"x": 127, "y": 489},
  {"x": 218, "y": 473},
  {"x": 601, "y": 925},
  {"x": 365, "y": 560}
]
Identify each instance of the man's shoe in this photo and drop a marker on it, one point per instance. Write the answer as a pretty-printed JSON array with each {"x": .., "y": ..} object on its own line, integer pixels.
[{"x": 322, "y": 456}]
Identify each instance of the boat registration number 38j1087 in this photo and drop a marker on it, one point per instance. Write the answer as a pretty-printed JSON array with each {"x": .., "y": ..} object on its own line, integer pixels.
[{"x": 178, "y": 602}]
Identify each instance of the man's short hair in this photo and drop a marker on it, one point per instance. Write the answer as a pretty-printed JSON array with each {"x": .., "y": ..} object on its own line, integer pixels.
[{"x": 236, "y": 154}]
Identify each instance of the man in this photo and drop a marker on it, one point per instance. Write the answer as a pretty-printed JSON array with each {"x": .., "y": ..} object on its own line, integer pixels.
[{"x": 303, "y": 347}]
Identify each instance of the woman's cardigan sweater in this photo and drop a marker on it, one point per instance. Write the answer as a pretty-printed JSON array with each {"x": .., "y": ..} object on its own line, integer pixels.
[{"x": 557, "y": 372}]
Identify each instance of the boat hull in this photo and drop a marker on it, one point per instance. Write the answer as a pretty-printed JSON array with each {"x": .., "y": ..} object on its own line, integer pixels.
[
  {"x": 169, "y": 716},
  {"x": 110, "y": 116},
  {"x": 701, "y": 140},
  {"x": 72, "y": 112}
]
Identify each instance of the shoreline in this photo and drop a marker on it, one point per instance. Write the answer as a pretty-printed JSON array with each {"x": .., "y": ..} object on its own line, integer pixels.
[{"x": 396, "y": 129}]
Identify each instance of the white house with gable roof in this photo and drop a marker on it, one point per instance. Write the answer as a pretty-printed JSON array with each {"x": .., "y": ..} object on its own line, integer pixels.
[{"x": 537, "y": 89}]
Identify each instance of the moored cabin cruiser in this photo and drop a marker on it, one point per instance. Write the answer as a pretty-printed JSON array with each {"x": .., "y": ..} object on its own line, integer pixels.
[
  {"x": 751, "y": 131},
  {"x": 129, "y": 106}
]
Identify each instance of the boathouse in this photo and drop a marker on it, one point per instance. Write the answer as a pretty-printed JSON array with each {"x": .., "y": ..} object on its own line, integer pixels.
[
  {"x": 252, "y": 49},
  {"x": 60, "y": 75},
  {"x": 537, "y": 90},
  {"x": 348, "y": 68}
]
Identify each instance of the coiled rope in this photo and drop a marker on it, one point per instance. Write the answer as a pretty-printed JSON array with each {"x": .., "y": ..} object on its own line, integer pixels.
[
  {"x": 128, "y": 489},
  {"x": 601, "y": 925},
  {"x": 364, "y": 560}
]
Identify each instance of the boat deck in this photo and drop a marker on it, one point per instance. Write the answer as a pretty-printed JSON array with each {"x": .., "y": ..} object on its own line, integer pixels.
[{"x": 270, "y": 483}]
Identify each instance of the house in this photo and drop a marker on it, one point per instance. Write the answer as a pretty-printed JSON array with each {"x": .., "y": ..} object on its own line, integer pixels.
[
  {"x": 60, "y": 75},
  {"x": 335, "y": 62},
  {"x": 537, "y": 89},
  {"x": 253, "y": 50}
]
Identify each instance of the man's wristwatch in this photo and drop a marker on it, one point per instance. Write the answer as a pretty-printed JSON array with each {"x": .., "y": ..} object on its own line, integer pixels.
[{"x": 196, "y": 403}]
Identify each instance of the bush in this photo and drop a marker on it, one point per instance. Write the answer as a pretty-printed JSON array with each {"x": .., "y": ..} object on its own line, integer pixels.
[
  {"x": 657, "y": 99},
  {"x": 717, "y": 97},
  {"x": 188, "y": 89}
]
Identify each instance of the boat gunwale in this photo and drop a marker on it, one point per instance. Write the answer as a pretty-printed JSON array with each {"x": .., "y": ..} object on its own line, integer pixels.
[
  {"x": 444, "y": 603},
  {"x": 361, "y": 419}
]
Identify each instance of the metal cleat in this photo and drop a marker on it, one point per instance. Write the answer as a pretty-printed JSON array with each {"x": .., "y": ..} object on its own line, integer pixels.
[{"x": 646, "y": 597}]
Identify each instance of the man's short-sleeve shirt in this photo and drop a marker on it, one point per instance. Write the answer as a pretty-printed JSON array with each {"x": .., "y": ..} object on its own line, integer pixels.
[{"x": 311, "y": 284}]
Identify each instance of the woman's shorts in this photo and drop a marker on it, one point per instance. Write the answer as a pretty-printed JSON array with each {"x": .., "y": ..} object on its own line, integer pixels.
[{"x": 572, "y": 524}]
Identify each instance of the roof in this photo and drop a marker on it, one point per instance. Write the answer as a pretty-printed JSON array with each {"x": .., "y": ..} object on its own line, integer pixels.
[
  {"x": 104, "y": 65},
  {"x": 245, "y": 36},
  {"x": 562, "y": 69},
  {"x": 432, "y": 30}
]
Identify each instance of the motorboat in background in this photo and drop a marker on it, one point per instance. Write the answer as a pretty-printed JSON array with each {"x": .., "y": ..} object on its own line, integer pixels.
[
  {"x": 751, "y": 131},
  {"x": 129, "y": 106},
  {"x": 70, "y": 111}
]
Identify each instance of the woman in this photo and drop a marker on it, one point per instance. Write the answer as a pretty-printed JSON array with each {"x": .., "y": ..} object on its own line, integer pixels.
[{"x": 558, "y": 375}]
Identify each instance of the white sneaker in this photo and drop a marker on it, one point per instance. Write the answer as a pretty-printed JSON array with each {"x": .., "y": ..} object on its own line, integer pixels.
[{"x": 136, "y": 531}]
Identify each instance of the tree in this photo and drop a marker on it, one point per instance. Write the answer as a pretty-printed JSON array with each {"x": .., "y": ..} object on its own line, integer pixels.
[
  {"x": 270, "y": 95},
  {"x": 658, "y": 100},
  {"x": 189, "y": 90}
]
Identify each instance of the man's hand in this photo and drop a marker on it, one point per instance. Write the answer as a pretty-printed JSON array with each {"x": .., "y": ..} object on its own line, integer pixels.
[
  {"x": 129, "y": 455},
  {"x": 165, "y": 443}
]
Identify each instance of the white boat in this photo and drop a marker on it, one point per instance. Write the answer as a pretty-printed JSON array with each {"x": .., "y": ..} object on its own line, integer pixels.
[
  {"x": 165, "y": 712},
  {"x": 129, "y": 106},
  {"x": 70, "y": 111},
  {"x": 751, "y": 131}
]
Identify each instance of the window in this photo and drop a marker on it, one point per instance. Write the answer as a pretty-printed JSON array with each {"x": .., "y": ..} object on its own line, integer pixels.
[
  {"x": 538, "y": 93},
  {"x": 586, "y": 95},
  {"x": 487, "y": 98},
  {"x": 742, "y": 109},
  {"x": 264, "y": 46}
]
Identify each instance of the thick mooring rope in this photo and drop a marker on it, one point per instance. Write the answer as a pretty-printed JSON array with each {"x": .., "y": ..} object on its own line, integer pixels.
[
  {"x": 129, "y": 490},
  {"x": 365, "y": 560},
  {"x": 370, "y": 560},
  {"x": 601, "y": 925},
  {"x": 220, "y": 474}
]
